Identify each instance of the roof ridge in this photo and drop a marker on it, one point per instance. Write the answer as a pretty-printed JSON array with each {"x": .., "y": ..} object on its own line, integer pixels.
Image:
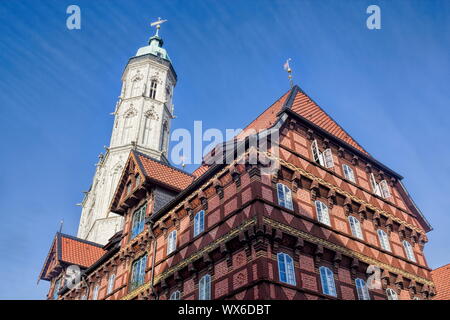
[
  {"x": 162, "y": 163},
  {"x": 60, "y": 234},
  {"x": 332, "y": 119}
]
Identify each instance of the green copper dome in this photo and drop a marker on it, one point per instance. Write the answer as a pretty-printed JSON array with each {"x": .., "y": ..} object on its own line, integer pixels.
[{"x": 154, "y": 47}]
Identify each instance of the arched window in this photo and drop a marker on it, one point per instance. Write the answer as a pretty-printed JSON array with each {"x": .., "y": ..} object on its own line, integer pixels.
[
  {"x": 199, "y": 223},
  {"x": 322, "y": 213},
  {"x": 56, "y": 289},
  {"x": 111, "y": 281},
  {"x": 348, "y": 172},
  {"x": 327, "y": 280},
  {"x": 95, "y": 292},
  {"x": 409, "y": 251},
  {"x": 153, "y": 86},
  {"x": 355, "y": 226},
  {"x": 204, "y": 288},
  {"x": 136, "y": 87},
  {"x": 164, "y": 133},
  {"x": 172, "y": 242},
  {"x": 384, "y": 240},
  {"x": 127, "y": 127},
  {"x": 391, "y": 294},
  {"x": 286, "y": 268},
  {"x": 284, "y": 196},
  {"x": 138, "y": 223},
  {"x": 138, "y": 272},
  {"x": 361, "y": 289},
  {"x": 176, "y": 295}
]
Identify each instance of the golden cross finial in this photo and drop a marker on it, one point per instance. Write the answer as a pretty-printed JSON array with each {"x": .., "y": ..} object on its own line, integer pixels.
[{"x": 157, "y": 24}]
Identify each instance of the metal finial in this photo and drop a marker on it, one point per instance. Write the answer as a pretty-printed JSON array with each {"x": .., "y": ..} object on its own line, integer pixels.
[
  {"x": 288, "y": 69},
  {"x": 157, "y": 24}
]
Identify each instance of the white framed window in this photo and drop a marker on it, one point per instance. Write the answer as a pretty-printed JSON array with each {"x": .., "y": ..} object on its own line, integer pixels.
[
  {"x": 172, "y": 242},
  {"x": 384, "y": 189},
  {"x": 176, "y": 295},
  {"x": 322, "y": 213},
  {"x": 384, "y": 240},
  {"x": 111, "y": 281},
  {"x": 95, "y": 292},
  {"x": 286, "y": 268},
  {"x": 381, "y": 189},
  {"x": 199, "y": 222},
  {"x": 284, "y": 196},
  {"x": 361, "y": 289},
  {"x": 409, "y": 251},
  {"x": 138, "y": 222},
  {"x": 348, "y": 173},
  {"x": 138, "y": 272},
  {"x": 327, "y": 281},
  {"x": 84, "y": 297},
  {"x": 355, "y": 226},
  {"x": 204, "y": 288},
  {"x": 324, "y": 158},
  {"x": 391, "y": 294}
]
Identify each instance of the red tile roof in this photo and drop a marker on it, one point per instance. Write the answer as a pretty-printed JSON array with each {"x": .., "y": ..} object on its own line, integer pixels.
[
  {"x": 79, "y": 252},
  {"x": 304, "y": 106},
  {"x": 441, "y": 279},
  {"x": 163, "y": 173}
]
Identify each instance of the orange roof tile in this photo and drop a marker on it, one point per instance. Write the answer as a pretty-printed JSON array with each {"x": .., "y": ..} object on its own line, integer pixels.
[
  {"x": 79, "y": 252},
  {"x": 441, "y": 279},
  {"x": 164, "y": 173}
]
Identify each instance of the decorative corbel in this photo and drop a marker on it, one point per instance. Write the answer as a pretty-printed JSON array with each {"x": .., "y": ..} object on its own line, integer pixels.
[
  {"x": 219, "y": 188},
  {"x": 310, "y": 134},
  {"x": 341, "y": 152},
  {"x": 354, "y": 267},
  {"x": 347, "y": 205},
  {"x": 189, "y": 211},
  {"x": 389, "y": 225},
  {"x": 292, "y": 124},
  {"x": 414, "y": 237},
  {"x": 192, "y": 270},
  {"x": 298, "y": 247},
  {"x": 203, "y": 199},
  {"x": 412, "y": 287},
  {"x": 376, "y": 219},
  {"x": 385, "y": 278},
  {"x": 326, "y": 143},
  {"x": 296, "y": 181},
  {"x": 355, "y": 160},
  {"x": 337, "y": 260},
  {"x": 425, "y": 290},
  {"x": 331, "y": 198},
  {"x": 208, "y": 261},
  {"x": 402, "y": 232},
  {"x": 362, "y": 211},
  {"x": 224, "y": 251},
  {"x": 318, "y": 253},
  {"x": 399, "y": 281},
  {"x": 277, "y": 237},
  {"x": 392, "y": 182},
  {"x": 432, "y": 291},
  {"x": 368, "y": 168},
  {"x": 315, "y": 191},
  {"x": 235, "y": 174}
]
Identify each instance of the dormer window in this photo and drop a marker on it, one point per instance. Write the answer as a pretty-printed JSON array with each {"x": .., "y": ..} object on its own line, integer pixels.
[
  {"x": 324, "y": 158},
  {"x": 128, "y": 188},
  {"x": 138, "y": 180},
  {"x": 381, "y": 189},
  {"x": 138, "y": 223}
]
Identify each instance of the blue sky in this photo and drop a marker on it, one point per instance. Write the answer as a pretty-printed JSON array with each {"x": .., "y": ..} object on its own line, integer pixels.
[{"x": 388, "y": 88}]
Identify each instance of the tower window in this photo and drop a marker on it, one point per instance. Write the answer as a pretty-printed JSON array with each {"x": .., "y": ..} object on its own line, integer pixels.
[
  {"x": 286, "y": 268},
  {"x": 362, "y": 290},
  {"x": 348, "y": 173},
  {"x": 138, "y": 272},
  {"x": 172, "y": 242},
  {"x": 391, "y": 294},
  {"x": 138, "y": 222},
  {"x": 284, "y": 196},
  {"x": 355, "y": 226},
  {"x": 384, "y": 240},
  {"x": 322, "y": 213},
  {"x": 153, "y": 86},
  {"x": 327, "y": 281},
  {"x": 409, "y": 251},
  {"x": 204, "y": 288},
  {"x": 199, "y": 223}
]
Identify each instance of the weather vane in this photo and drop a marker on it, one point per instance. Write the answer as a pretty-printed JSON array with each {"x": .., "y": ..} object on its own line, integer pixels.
[
  {"x": 287, "y": 68},
  {"x": 158, "y": 24}
]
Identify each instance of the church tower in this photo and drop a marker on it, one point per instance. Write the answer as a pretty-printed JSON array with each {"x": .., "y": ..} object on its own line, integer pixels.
[{"x": 142, "y": 114}]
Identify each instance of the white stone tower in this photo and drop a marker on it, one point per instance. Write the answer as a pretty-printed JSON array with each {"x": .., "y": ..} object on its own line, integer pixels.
[{"x": 142, "y": 121}]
